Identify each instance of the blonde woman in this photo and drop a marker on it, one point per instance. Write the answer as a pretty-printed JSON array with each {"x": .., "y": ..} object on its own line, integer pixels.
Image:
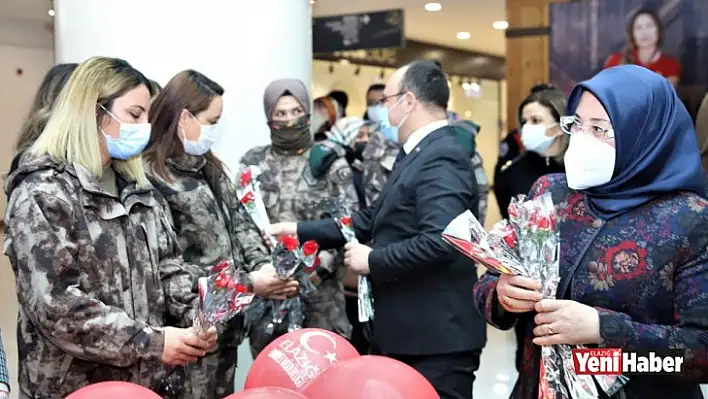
[{"x": 95, "y": 259}]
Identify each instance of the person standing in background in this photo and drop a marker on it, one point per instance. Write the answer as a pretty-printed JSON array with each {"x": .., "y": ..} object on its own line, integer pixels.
[
  {"x": 291, "y": 192},
  {"x": 41, "y": 109},
  {"x": 374, "y": 96},
  {"x": 644, "y": 36},
  {"x": 325, "y": 113},
  {"x": 421, "y": 285},
  {"x": 4, "y": 374}
]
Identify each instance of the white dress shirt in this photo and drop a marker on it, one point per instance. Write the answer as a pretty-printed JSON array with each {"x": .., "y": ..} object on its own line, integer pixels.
[{"x": 416, "y": 137}]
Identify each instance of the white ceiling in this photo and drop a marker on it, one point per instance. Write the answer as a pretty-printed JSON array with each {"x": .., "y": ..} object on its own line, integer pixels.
[{"x": 441, "y": 27}]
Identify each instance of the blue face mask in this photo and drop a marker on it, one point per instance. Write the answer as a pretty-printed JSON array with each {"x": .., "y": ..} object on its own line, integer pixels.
[
  {"x": 132, "y": 139},
  {"x": 379, "y": 114}
]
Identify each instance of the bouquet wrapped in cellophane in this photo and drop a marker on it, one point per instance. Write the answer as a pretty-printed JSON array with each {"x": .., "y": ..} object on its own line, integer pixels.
[
  {"x": 223, "y": 295},
  {"x": 291, "y": 260},
  {"x": 365, "y": 297},
  {"x": 249, "y": 194},
  {"x": 528, "y": 244}
]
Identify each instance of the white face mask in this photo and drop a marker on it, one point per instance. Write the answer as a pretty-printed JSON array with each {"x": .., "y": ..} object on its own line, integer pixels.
[
  {"x": 589, "y": 162},
  {"x": 208, "y": 135},
  {"x": 535, "y": 139}
]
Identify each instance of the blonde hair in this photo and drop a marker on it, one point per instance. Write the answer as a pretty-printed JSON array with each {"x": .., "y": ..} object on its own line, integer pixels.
[{"x": 72, "y": 132}]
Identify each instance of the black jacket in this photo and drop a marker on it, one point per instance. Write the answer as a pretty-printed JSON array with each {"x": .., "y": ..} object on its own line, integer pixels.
[{"x": 422, "y": 286}]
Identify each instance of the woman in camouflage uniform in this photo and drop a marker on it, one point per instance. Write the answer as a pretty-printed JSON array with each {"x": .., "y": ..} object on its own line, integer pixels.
[
  {"x": 291, "y": 193},
  {"x": 97, "y": 265},
  {"x": 211, "y": 224}
]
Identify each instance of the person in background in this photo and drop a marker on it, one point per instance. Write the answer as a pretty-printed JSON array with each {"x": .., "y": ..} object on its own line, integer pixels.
[
  {"x": 644, "y": 36},
  {"x": 634, "y": 248},
  {"x": 155, "y": 88},
  {"x": 536, "y": 151},
  {"x": 702, "y": 131},
  {"x": 208, "y": 217},
  {"x": 421, "y": 285},
  {"x": 291, "y": 192},
  {"x": 543, "y": 146},
  {"x": 41, "y": 109},
  {"x": 4, "y": 374},
  {"x": 374, "y": 96},
  {"x": 97, "y": 265},
  {"x": 325, "y": 114},
  {"x": 342, "y": 99},
  {"x": 467, "y": 132}
]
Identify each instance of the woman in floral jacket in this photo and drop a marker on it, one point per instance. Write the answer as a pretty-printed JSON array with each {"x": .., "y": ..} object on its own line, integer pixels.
[{"x": 634, "y": 251}]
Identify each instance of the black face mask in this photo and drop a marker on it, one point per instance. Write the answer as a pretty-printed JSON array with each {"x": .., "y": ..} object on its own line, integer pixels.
[{"x": 291, "y": 136}]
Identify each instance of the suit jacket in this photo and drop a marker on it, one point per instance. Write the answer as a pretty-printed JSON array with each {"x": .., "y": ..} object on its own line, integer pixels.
[{"x": 422, "y": 286}]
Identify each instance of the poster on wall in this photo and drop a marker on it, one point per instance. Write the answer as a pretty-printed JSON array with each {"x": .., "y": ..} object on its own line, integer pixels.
[{"x": 668, "y": 36}]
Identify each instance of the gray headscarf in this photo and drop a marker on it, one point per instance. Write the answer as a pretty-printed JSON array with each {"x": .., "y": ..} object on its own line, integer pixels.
[{"x": 280, "y": 87}]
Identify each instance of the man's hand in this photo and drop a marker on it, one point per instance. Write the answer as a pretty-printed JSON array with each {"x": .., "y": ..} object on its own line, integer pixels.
[
  {"x": 282, "y": 229},
  {"x": 267, "y": 283},
  {"x": 356, "y": 258},
  {"x": 183, "y": 346}
]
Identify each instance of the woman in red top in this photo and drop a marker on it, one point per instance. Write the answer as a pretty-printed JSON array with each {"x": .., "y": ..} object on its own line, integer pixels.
[{"x": 644, "y": 34}]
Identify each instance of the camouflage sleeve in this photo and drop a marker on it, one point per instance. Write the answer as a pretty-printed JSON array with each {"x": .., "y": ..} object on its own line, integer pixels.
[
  {"x": 249, "y": 237},
  {"x": 179, "y": 279},
  {"x": 50, "y": 292}
]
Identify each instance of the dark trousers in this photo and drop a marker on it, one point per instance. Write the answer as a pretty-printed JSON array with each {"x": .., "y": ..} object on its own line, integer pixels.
[
  {"x": 519, "y": 331},
  {"x": 359, "y": 339},
  {"x": 452, "y": 374}
]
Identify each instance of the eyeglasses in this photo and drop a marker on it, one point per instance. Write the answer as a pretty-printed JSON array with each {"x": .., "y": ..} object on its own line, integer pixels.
[
  {"x": 386, "y": 98},
  {"x": 572, "y": 125}
]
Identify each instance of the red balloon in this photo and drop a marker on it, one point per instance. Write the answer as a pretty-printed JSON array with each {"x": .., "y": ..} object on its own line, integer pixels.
[
  {"x": 114, "y": 390},
  {"x": 371, "y": 377},
  {"x": 295, "y": 359},
  {"x": 267, "y": 393}
]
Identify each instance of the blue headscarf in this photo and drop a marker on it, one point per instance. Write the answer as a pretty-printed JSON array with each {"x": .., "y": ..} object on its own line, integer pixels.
[{"x": 657, "y": 152}]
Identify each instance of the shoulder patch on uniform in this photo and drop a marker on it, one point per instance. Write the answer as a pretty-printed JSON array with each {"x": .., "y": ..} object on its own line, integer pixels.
[{"x": 503, "y": 150}]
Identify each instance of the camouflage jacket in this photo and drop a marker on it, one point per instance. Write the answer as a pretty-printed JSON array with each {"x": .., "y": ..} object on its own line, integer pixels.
[
  {"x": 380, "y": 154},
  {"x": 96, "y": 277},
  {"x": 210, "y": 229},
  {"x": 291, "y": 193}
]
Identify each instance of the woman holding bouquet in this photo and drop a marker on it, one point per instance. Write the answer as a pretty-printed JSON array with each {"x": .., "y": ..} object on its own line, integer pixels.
[
  {"x": 634, "y": 248},
  {"x": 207, "y": 214},
  {"x": 291, "y": 192},
  {"x": 97, "y": 265}
]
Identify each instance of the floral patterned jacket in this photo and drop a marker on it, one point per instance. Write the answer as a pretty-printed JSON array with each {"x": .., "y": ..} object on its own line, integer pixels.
[{"x": 645, "y": 271}]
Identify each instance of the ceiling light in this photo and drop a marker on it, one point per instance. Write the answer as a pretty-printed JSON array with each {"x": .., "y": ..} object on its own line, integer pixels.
[
  {"x": 433, "y": 6},
  {"x": 463, "y": 35},
  {"x": 466, "y": 86},
  {"x": 312, "y": 1},
  {"x": 475, "y": 86},
  {"x": 344, "y": 61},
  {"x": 51, "y": 13},
  {"x": 500, "y": 25}
]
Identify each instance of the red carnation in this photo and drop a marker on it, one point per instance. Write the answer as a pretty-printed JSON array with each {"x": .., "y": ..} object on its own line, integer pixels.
[
  {"x": 314, "y": 266},
  {"x": 221, "y": 281},
  {"x": 241, "y": 288},
  {"x": 310, "y": 248},
  {"x": 290, "y": 242},
  {"x": 346, "y": 221},
  {"x": 220, "y": 267},
  {"x": 510, "y": 238},
  {"x": 543, "y": 222},
  {"x": 246, "y": 177},
  {"x": 248, "y": 198}
]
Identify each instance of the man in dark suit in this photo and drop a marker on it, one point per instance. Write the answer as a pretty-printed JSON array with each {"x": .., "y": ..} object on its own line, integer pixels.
[{"x": 422, "y": 287}]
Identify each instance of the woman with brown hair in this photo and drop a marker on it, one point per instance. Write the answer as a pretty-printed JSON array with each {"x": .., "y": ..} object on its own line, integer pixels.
[
  {"x": 41, "y": 109},
  {"x": 644, "y": 35},
  {"x": 207, "y": 214}
]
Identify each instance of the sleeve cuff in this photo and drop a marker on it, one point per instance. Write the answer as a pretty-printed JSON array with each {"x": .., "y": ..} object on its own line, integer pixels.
[
  {"x": 4, "y": 387},
  {"x": 377, "y": 268},
  {"x": 154, "y": 344},
  {"x": 613, "y": 328},
  {"x": 499, "y": 316}
]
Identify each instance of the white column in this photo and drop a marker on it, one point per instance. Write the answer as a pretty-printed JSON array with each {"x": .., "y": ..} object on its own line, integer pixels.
[{"x": 242, "y": 45}]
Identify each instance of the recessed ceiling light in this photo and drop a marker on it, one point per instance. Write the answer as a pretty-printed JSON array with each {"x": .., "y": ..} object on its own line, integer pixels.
[
  {"x": 51, "y": 13},
  {"x": 312, "y": 1},
  {"x": 433, "y": 6},
  {"x": 463, "y": 35},
  {"x": 344, "y": 61},
  {"x": 500, "y": 25}
]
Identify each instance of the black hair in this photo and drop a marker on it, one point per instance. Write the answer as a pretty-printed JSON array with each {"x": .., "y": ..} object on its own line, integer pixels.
[
  {"x": 428, "y": 82},
  {"x": 342, "y": 98},
  {"x": 376, "y": 87}
]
